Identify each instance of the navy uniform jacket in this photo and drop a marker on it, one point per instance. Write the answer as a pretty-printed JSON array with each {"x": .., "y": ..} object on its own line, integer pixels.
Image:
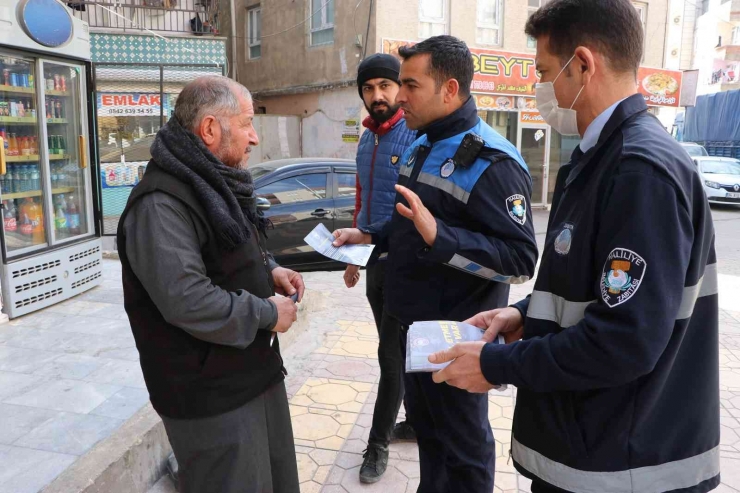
[
  {"x": 485, "y": 239},
  {"x": 617, "y": 375}
]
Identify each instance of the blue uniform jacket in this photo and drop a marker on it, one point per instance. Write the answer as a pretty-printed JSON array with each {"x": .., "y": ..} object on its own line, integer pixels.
[
  {"x": 617, "y": 375},
  {"x": 485, "y": 239}
]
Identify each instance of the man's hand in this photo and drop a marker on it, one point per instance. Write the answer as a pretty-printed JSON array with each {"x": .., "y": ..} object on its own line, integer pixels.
[
  {"x": 505, "y": 321},
  {"x": 464, "y": 372},
  {"x": 352, "y": 275},
  {"x": 287, "y": 313},
  {"x": 288, "y": 282},
  {"x": 425, "y": 223},
  {"x": 351, "y": 236}
]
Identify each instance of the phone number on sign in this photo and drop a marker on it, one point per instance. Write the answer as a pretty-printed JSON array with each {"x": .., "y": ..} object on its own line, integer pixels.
[{"x": 131, "y": 111}]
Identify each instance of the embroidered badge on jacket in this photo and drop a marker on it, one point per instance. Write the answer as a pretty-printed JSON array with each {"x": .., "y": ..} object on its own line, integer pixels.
[
  {"x": 621, "y": 276},
  {"x": 516, "y": 205}
]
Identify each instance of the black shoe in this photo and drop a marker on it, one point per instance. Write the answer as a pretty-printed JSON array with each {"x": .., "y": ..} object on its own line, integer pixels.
[
  {"x": 403, "y": 432},
  {"x": 374, "y": 465}
]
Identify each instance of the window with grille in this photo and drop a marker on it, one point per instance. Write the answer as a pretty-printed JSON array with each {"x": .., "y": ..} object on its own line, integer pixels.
[
  {"x": 432, "y": 18},
  {"x": 322, "y": 22},
  {"x": 254, "y": 32},
  {"x": 490, "y": 20}
]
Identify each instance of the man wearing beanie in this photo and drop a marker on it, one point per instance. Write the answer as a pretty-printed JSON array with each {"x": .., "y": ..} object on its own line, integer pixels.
[{"x": 378, "y": 159}]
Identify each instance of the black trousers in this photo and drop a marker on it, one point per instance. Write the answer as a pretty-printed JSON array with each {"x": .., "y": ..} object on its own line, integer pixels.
[
  {"x": 247, "y": 450},
  {"x": 457, "y": 453},
  {"x": 390, "y": 387}
]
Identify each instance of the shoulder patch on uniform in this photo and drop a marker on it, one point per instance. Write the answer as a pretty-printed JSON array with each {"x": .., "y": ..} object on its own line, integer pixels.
[
  {"x": 394, "y": 160},
  {"x": 516, "y": 205},
  {"x": 621, "y": 276}
]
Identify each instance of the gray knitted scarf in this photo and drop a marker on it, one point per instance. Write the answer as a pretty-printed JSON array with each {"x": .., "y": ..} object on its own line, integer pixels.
[{"x": 227, "y": 194}]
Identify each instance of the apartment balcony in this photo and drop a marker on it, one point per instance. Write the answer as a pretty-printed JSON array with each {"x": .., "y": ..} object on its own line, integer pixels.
[{"x": 178, "y": 17}]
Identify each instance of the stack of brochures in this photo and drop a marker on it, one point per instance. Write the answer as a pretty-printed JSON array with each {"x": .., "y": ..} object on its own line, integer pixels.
[{"x": 426, "y": 338}]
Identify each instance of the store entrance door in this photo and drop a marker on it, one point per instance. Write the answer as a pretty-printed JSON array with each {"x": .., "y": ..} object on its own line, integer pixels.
[{"x": 533, "y": 142}]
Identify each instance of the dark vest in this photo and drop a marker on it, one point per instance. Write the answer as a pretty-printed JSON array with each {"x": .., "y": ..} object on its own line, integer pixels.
[{"x": 187, "y": 377}]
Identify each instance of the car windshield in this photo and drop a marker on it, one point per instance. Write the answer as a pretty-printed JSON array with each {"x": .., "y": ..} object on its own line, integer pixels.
[
  {"x": 720, "y": 167},
  {"x": 694, "y": 150}
]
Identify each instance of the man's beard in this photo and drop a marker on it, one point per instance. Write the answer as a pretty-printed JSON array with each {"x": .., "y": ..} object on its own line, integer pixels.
[
  {"x": 223, "y": 155},
  {"x": 382, "y": 116}
]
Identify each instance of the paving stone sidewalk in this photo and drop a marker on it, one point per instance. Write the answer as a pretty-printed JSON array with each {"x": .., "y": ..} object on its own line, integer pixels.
[{"x": 332, "y": 383}]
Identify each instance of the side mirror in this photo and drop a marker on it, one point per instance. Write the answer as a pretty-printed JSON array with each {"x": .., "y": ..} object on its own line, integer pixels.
[{"x": 263, "y": 204}]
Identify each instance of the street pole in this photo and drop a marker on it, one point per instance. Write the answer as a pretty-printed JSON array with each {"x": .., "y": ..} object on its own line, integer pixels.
[{"x": 234, "y": 64}]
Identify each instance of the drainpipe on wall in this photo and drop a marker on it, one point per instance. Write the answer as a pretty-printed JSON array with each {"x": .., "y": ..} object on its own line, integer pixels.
[{"x": 234, "y": 64}]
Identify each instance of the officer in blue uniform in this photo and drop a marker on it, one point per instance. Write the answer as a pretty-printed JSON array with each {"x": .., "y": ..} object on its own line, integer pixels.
[
  {"x": 460, "y": 236},
  {"x": 617, "y": 369}
]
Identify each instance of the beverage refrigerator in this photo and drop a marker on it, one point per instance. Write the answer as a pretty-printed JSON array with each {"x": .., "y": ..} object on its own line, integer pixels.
[{"x": 51, "y": 247}]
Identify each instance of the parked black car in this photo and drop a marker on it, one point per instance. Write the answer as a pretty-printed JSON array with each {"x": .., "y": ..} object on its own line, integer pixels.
[{"x": 297, "y": 195}]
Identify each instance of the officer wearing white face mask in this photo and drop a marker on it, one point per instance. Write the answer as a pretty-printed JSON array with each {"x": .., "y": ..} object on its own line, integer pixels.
[{"x": 623, "y": 319}]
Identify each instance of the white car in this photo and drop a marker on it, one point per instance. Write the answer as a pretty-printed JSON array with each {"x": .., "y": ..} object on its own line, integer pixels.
[{"x": 721, "y": 178}]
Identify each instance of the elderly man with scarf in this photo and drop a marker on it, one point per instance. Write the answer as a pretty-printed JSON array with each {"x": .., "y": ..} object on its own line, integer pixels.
[{"x": 199, "y": 289}]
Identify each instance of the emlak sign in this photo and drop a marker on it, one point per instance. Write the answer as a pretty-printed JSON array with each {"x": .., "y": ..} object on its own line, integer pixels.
[{"x": 129, "y": 104}]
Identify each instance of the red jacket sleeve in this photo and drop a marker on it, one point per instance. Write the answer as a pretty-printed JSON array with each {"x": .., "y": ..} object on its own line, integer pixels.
[{"x": 358, "y": 200}]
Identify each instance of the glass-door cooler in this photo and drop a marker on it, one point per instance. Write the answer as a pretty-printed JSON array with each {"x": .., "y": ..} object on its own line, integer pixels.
[{"x": 50, "y": 247}]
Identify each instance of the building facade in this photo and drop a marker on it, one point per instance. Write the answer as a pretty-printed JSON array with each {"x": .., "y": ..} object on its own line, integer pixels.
[
  {"x": 716, "y": 45},
  {"x": 300, "y": 58},
  {"x": 143, "y": 54}
]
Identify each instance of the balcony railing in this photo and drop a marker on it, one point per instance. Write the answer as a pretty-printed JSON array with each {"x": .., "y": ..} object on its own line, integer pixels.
[{"x": 195, "y": 17}]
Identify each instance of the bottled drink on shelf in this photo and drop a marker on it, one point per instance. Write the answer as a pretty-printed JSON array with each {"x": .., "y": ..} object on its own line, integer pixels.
[
  {"x": 59, "y": 109},
  {"x": 13, "y": 146},
  {"x": 61, "y": 176},
  {"x": 48, "y": 108},
  {"x": 26, "y": 178},
  {"x": 54, "y": 175},
  {"x": 9, "y": 220},
  {"x": 36, "y": 215},
  {"x": 63, "y": 83},
  {"x": 16, "y": 179},
  {"x": 60, "y": 216},
  {"x": 50, "y": 84},
  {"x": 35, "y": 177},
  {"x": 6, "y": 77},
  {"x": 62, "y": 144},
  {"x": 25, "y": 218},
  {"x": 21, "y": 109},
  {"x": 73, "y": 216},
  {"x": 8, "y": 188},
  {"x": 57, "y": 83},
  {"x": 25, "y": 146}
]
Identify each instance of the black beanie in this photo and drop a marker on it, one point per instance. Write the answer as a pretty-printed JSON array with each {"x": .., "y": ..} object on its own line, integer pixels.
[{"x": 378, "y": 66}]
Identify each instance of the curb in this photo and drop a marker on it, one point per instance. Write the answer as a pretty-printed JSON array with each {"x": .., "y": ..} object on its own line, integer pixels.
[{"x": 134, "y": 457}]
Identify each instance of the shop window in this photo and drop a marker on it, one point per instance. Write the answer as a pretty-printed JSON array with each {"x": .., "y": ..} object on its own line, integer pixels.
[
  {"x": 322, "y": 22},
  {"x": 254, "y": 32},
  {"x": 432, "y": 18},
  {"x": 489, "y": 22}
]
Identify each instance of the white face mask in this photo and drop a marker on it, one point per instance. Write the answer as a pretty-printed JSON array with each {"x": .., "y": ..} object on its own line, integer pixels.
[{"x": 563, "y": 120}]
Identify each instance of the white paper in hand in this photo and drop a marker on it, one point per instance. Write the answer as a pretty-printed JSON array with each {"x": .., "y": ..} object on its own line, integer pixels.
[{"x": 321, "y": 240}]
